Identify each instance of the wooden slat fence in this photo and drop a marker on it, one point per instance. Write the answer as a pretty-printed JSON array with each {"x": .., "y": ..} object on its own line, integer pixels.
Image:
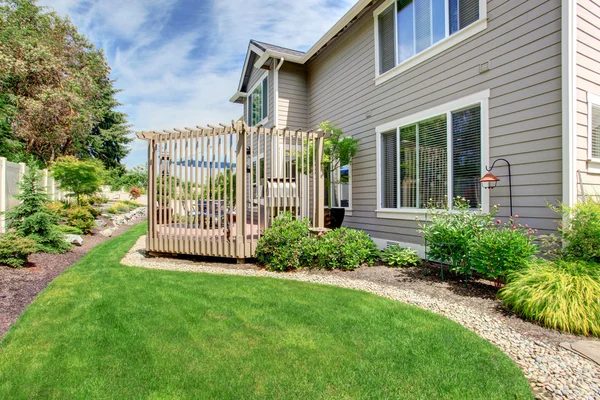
[{"x": 212, "y": 190}]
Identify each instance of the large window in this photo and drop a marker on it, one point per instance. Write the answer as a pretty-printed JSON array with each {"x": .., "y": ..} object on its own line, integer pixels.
[
  {"x": 406, "y": 28},
  {"x": 258, "y": 102},
  {"x": 428, "y": 162}
]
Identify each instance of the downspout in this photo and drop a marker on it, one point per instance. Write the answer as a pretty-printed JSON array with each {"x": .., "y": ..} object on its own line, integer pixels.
[
  {"x": 276, "y": 97},
  {"x": 569, "y": 126}
]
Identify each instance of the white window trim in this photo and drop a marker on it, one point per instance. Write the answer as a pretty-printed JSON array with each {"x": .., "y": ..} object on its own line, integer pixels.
[
  {"x": 593, "y": 164},
  {"x": 249, "y": 94},
  {"x": 481, "y": 98},
  {"x": 437, "y": 48}
]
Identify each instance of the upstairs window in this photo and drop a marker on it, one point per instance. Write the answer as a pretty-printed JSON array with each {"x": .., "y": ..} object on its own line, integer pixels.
[
  {"x": 258, "y": 102},
  {"x": 408, "y": 27}
]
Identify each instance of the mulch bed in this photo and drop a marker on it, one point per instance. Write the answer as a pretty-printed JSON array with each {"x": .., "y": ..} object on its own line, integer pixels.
[{"x": 19, "y": 287}]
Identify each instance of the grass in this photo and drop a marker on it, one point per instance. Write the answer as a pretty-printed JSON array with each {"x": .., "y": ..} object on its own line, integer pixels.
[
  {"x": 102, "y": 330},
  {"x": 563, "y": 295}
]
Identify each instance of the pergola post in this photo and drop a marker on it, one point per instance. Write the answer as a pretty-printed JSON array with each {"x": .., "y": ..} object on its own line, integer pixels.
[
  {"x": 240, "y": 204},
  {"x": 320, "y": 177}
]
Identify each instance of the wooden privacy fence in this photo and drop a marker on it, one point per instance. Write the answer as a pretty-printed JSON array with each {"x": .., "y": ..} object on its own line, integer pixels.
[{"x": 213, "y": 190}]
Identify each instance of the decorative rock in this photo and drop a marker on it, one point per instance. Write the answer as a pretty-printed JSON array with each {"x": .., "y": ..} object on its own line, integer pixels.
[
  {"x": 107, "y": 232},
  {"x": 100, "y": 223},
  {"x": 74, "y": 239}
]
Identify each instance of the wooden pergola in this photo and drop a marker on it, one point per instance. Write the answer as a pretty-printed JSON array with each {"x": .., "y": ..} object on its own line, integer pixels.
[{"x": 212, "y": 190}]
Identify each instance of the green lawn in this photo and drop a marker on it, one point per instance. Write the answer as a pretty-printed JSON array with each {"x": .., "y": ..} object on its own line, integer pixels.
[{"x": 102, "y": 330}]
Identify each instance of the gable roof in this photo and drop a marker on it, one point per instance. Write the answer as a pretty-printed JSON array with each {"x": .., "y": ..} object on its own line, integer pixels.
[
  {"x": 263, "y": 51},
  {"x": 276, "y": 49}
]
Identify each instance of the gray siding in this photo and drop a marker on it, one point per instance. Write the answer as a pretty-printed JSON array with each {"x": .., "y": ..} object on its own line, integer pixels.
[
  {"x": 522, "y": 43},
  {"x": 588, "y": 81},
  {"x": 293, "y": 97},
  {"x": 256, "y": 74}
]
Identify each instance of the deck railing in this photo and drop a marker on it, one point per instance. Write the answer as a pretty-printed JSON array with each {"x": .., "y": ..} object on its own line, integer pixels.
[{"x": 212, "y": 190}]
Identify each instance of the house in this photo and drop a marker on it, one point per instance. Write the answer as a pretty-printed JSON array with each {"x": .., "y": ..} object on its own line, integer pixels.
[{"x": 437, "y": 90}]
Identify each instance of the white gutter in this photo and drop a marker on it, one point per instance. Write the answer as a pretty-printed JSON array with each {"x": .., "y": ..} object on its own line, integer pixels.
[
  {"x": 569, "y": 124},
  {"x": 276, "y": 97}
]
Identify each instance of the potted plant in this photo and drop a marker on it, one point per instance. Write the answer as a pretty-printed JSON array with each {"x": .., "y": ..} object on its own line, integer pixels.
[{"x": 338, "y": 150}]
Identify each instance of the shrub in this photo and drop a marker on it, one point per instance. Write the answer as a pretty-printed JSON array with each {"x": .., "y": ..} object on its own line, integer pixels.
[
  {"x": 497, "y": 250},
  {"x": 81, "y": 218},
  {"x": 563, "y": 295},
  {"x": 448, "y": 233},
  {"x": 97, "y": 200},
  {"x": 342, "y": 248},
  {"x": 280, "y": 247},
  {"x": 69, "y": 230},
  {"x": 32, "y": 219},
  {"x": 396, "y": 256},
  {"x": 120, "y": 207},
  {"x": 134, "y": 193},
  {"x": 132, "y": 204},
  {"x": 14, "y": 249},
  {"x": 582, "y": 230},
  {"x": 56, "y": 207},
  {"x": 80, "y": 177}
]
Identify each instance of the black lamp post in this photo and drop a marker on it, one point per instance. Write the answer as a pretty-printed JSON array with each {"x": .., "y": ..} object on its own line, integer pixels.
[{"x": 490, "y": 181}]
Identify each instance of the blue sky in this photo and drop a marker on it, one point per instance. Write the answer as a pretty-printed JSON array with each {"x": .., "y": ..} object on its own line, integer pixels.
[{"x": 179, "y": 61}]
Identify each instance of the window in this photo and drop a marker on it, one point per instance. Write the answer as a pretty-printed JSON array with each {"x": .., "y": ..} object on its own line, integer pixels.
[
  {"x": 594, "y": 127},
  {"x": 428, "y": 161},
  {"x": 406, "y": 28},
  {"x": 258, "y": 102},
  {"x": 341, "y": 187}
]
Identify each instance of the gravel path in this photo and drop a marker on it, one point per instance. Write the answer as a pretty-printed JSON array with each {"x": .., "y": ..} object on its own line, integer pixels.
[{"x": 552, "y": 371}]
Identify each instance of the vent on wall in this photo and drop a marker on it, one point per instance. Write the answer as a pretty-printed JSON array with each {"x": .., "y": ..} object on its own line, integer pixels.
[{"x": 390, "y": 243}]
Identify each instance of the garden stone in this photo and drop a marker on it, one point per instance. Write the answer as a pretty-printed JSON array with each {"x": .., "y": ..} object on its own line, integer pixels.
[
  {"x": 100, "y": 223},
  {"x": 74, "y": 239},
  {"x": 107, "y": 232}
]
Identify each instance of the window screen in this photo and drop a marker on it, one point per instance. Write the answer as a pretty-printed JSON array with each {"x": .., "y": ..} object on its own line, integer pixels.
[
  {"x": 389, "y": 168},
  {"x": 466, "y": 154},
  {"x": 462, "y": 14},
  {"x": 595, "y": 131}
]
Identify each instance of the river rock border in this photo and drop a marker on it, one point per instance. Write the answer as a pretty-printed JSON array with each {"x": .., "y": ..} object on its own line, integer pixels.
[{"x": 553, "y": 372}]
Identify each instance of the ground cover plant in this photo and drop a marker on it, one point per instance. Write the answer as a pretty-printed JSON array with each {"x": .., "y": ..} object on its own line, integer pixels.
[
  {"x": 104, "y": 330},
  {"x": 397, "y": 256},
  {"x": 563, "y": 295},
  {"x": 14, "y": 249}
]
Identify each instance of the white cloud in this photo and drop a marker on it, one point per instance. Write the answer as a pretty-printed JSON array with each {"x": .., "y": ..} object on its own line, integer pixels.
[{"x": 165, "y": 84}]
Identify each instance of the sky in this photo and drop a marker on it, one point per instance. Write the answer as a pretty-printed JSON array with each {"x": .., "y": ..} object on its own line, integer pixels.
[{"x": 178, "y": 62}]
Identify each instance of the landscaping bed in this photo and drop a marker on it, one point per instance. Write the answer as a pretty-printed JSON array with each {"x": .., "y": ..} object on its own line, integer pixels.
[{"x": 19, "y": 287}]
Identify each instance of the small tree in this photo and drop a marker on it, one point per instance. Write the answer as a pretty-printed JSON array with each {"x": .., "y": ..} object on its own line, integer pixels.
[
  {"x": 337, "y": 151},
  {"x": 32, "y": 220},
  {"x": 80, "y": 177}
]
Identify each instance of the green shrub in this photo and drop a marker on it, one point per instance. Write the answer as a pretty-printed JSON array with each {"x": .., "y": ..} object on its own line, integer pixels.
[
  {"x": 56, "y": 207},
  {"x": 31, "y": 219},
  {"x": 122, "y": 207},
  {"x": 397, "y": 256},
  {"x": 448, "y": 233},
  {"x": 14, "y": 249},
  {"x": 97, "y": 200},
  {"x": 42, "y": 228},
  {"x": 497, "y": 250},
  {"x": 342, "y": 248},
  {"x": 280, "y": 247},
  {"x": 69, "y": 230},
  {"x": 582, "y": 230},
  {"x": 560, "y": 295},
  {"x": 132, "y": 204},
  {"x": 81, "y": 218}
]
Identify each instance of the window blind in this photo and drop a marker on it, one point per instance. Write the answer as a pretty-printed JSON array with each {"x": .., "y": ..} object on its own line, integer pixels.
[
  {"x": 422, "y": 25},
  {"x": 408, "y": 166},
  {"x": 406, "y": 34},
  {"x": 433, "y": 164},
  {"x": 466, "y": 154},
  {"x": 462, "y": 14},
  {"x": 389, "y": 167},
  {"x": 386, "y": 40},
  {"x": 595, "y": 129}
]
